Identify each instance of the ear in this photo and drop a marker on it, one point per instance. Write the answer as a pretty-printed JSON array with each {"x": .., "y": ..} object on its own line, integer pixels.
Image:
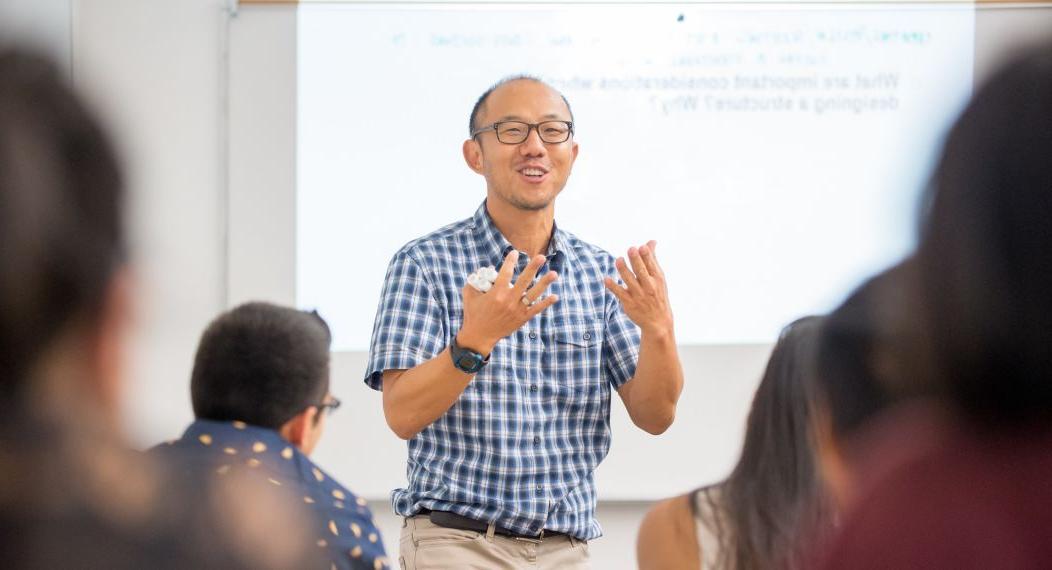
[
  {"x": 832, "y": 464},
  {"x": 473, "y": 155},
  {"x": 299, "y": 430},
  {"x": 573, "y": 152},
  {"x": 110, "y": 342}
]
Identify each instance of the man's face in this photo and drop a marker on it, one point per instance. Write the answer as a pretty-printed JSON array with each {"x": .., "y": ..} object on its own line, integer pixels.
[{"x": 528, "y": 175}]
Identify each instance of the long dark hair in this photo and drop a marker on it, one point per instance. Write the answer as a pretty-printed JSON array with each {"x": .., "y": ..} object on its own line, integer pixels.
[{"x": 774, "y": 501}]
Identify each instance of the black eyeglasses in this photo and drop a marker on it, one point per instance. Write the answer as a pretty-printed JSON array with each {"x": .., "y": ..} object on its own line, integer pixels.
[
  {"x": 516, "y": 132},
  {"x": 331, "y": 406}
]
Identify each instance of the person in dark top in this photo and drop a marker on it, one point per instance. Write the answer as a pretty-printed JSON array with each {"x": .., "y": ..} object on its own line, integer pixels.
[
  {"x": 260, "y": 390},
  {"x": 861, "y": 370},
  {"x": 978, "y": 494},
  {"x": 72, "y": 494}
]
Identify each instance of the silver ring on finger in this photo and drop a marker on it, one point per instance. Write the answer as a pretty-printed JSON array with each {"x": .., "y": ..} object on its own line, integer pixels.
[{"x": 525, "y": 300}]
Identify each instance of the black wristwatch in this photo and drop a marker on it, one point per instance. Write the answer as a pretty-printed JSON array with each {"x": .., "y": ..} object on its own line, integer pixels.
[{"x": 465, "y": 359}]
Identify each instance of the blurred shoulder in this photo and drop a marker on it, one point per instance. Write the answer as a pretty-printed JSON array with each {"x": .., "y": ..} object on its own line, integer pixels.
[{"x": 667, "y": 536}]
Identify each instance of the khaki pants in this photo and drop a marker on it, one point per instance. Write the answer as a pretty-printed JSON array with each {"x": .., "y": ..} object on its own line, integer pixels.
[{"x": 427, "y": 546}]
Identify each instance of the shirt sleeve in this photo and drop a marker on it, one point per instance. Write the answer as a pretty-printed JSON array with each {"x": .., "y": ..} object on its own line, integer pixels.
[
  {"x": 410, "y": 326},
  {"x": 620, "y": 343}
]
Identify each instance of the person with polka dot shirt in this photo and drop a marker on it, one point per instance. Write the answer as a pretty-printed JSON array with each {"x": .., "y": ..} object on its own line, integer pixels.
[{"x": 260, "y": 391}]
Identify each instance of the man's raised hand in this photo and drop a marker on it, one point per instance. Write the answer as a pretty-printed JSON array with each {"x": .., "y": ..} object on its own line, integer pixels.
[
  {"x": 497, "y": 313},
  {"x": 644, "y": 295}
]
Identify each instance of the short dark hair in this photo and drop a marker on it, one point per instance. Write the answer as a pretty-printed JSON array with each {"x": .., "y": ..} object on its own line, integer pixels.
[
  {"x": 984, "y": 253},
  {"x": 261, "y": 364},
  {"x": 61, "y": 193},
  {"x": 481, "y": 102}
]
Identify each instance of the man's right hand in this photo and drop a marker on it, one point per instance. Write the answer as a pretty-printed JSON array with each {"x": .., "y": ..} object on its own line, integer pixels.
[{"x": 495, "y": 314}]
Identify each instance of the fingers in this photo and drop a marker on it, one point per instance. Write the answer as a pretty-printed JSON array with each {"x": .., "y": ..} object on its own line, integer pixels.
[
  {"x": 540, "y": 306},
  {"x": 535, "y": 292},
  {"x": 527, "y": 275},
  {"x": 626, "y": 276},
  {"x": 470, "y": 292},
  {"x": 615, "y": 288},
  {"x": 638, "y": 267},
  {"x": 507, "y": 269},
  {"x": 650, "y": 259}
]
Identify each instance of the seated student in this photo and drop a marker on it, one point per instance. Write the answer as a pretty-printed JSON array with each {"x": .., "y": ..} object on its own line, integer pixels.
[
  {"x": 980, "y": 496},
  {"x": 72, "y": 493},
  {"x": 774, "y": 503},
  {"x": 859, "y": 360},
  {"x": 260, "y": 391}
]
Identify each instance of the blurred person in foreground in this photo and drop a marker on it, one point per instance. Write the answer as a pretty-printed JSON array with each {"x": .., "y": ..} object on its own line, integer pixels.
[
  {"x": 72, "y": 495},
  {"x": 260, "y": 390},
  {"x": 979, "y": 495},
  {"x": 860, "y": 369},
  {"x": 774, "y": 504}
]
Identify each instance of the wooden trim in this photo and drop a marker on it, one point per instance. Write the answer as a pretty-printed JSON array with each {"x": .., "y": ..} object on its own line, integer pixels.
[
  {"x": 250, "y": 2},
  {"x": 702, "y": 2}
]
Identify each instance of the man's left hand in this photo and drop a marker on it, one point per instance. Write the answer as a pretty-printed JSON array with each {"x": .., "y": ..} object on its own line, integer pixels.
[{"x": 645, "y": 293}]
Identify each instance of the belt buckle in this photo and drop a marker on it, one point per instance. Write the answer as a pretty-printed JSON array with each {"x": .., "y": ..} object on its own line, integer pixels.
[{"x": 531, "y": 540}]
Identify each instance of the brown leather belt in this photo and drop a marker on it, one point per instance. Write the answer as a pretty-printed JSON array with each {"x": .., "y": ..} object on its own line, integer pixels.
[{"x": 447, "y": 519}]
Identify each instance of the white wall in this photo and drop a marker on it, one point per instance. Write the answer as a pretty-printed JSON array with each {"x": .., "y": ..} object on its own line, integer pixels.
[
  {"x": 154, "y": 71},
  {"x": 44, "y": 24},
  {"x": 999, "y": 33}
]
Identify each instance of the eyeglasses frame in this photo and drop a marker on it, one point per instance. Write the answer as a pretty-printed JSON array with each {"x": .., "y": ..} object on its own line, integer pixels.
[
  {"x": 529, "y": 127},
  {"x": 332, "y": 405}
]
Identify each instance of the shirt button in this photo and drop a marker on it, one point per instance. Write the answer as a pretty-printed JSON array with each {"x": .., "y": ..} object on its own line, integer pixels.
[
  {"x": 533, "y": 388},
  {"x": 533, "y": 335},
  {"x": 536, "y": 440},
  {"x": 588, "y": 336},
  {"x": 539, "y": 489}
]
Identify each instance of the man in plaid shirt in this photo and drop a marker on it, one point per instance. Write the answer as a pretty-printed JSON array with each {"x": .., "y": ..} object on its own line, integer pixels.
[{"x": 504, "y": 395}]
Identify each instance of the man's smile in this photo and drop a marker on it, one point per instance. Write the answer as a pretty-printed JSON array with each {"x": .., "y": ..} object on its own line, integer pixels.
[{"x": 533, "y": 173}]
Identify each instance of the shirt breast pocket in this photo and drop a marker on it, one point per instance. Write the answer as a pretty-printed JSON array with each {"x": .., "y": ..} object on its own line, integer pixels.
[{"x": 577, "y": 346}]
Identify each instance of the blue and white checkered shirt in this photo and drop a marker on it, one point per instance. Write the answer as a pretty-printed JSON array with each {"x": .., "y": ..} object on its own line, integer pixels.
[{"x": 520, "y": 445}]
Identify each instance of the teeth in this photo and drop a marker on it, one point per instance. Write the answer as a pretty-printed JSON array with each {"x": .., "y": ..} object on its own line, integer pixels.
[{"x": 532, "y": 172}]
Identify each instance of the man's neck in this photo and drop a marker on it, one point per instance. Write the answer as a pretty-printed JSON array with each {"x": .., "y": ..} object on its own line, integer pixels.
[{"x": 527, "y": 230}]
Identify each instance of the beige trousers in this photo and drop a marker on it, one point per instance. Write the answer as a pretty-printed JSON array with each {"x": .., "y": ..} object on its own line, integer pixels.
[{"x": 427, "y": 546}]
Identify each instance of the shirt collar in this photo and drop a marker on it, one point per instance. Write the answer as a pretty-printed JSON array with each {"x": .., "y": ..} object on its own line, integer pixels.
[
  {"x": 495, "y": 246},
  {"x": 244, "y": 439}
]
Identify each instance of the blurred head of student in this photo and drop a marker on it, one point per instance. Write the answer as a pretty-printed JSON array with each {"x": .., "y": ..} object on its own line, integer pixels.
[
  {"x": 978, "y": 495},
  {"x": 266, "y": 366},
  {"x": 867, "y": 361},
  {"x": 64, "y": 294},
  {"x": 73, "y": 494},
  {"x": 985, "y": 254}
]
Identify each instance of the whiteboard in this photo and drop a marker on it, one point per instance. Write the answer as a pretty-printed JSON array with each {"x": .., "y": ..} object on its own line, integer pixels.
[{"x": 773, "y": 151}]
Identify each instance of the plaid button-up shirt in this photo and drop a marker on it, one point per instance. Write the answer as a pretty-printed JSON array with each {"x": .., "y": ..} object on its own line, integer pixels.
[{"x": 521, "y": 444}]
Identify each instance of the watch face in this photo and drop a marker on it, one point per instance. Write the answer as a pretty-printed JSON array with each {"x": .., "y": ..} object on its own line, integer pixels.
[{"x": 468, "y": 362}]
